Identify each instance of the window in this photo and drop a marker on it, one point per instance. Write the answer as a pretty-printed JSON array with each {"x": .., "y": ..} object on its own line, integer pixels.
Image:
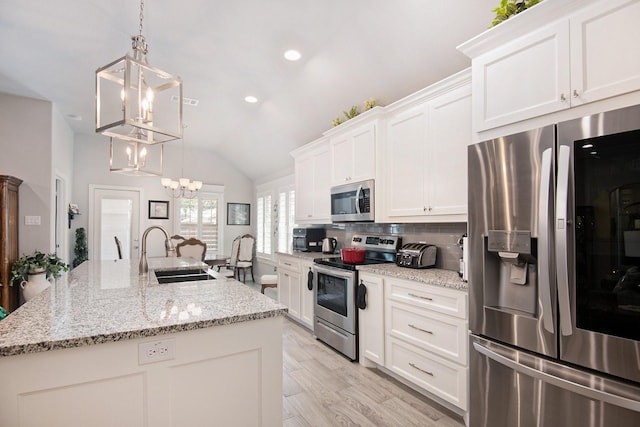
[
  {"x": 199, "y": 218},
  {"x": 286, "y": 220},
  {"x": 275, "y": 211},
  {"x": 263, "y": 212}
]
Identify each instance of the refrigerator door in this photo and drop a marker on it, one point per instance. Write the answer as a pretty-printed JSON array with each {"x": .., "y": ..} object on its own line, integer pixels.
[
  {"x": 514, "y": 388},
  {"x": 597, "y": 231},
  {"x": 511, "y": 276}
]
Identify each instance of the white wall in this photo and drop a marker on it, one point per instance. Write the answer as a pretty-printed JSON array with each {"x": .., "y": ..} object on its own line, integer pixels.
[
  {"x": 91, "y": 166},
  {"x": 25, "y": 126},
  {"x": 62, "y": 154}
]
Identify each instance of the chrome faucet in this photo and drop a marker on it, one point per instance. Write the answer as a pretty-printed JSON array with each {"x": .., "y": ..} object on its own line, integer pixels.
[{"x": 168, "y": 247}]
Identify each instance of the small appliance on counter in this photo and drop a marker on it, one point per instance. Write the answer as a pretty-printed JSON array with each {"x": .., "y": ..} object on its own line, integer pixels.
[
  {"x": 416, "y": 255},
  {"x": 329, "y": 245},
  {"x": 308, "y": 239}
]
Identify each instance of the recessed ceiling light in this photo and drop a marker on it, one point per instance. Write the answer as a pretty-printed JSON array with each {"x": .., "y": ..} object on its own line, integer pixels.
[
  {"x": 292, "y": 55},
  {"x": 251, "y": 99}
]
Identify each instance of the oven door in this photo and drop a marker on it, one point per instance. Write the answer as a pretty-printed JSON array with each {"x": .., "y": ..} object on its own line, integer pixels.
[{"x": 335, "y": 297}]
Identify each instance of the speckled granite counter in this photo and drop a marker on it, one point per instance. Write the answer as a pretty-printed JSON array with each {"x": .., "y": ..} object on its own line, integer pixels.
[
  {"x": 309, "y": 256},
  {"x": 108, "y": 301},
  {"x": 431, "y": 276}
]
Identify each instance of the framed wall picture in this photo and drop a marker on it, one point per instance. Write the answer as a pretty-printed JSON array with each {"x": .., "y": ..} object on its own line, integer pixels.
[
  {"x": 158, "y": 209},
  {"x": 238, "y": 214}
]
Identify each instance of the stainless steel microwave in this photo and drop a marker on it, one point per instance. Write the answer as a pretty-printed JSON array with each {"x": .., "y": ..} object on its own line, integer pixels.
[{"x": 353, "y": 202}]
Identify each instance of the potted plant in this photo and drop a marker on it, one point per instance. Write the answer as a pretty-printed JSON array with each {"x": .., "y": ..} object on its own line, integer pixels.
[
  {"x": 508, "y": 8},
  {"x": 35, "y": 270}
]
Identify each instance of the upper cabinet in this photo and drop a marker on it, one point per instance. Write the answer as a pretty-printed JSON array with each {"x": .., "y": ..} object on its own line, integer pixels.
[
  {"x": 425, "y": 155},
  {"x": 312, "y": 176},
  {"x": 556, "y": 55},
  {"x": 352, "y": 148}
]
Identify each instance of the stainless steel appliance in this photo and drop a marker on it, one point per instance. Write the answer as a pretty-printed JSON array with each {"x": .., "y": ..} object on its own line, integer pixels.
[
  {"x": 353, "y": 202},
  {"x": 554, "y": 289},
  {"x": 416, "y": 255},
  {"x": 336, "y": 321},
  {"x": 308, "y": 239},
  {"x": 329, "y": 245}
]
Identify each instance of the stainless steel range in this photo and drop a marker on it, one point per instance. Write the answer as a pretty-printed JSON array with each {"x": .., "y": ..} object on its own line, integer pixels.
[{"x": 336, "y": 315}]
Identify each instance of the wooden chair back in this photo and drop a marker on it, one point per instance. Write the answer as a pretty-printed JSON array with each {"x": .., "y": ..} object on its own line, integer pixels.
[{"x": 192, "y": 248}]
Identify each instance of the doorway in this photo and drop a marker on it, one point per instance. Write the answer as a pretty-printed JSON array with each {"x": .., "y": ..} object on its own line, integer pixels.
[{"x": 114, "y": 213}]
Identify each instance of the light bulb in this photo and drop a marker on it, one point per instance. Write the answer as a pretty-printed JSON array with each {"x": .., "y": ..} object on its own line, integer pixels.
[
  {"x": 166, "y": 182},
  {"x": 197, "y": 184},
  {"x": 173, "y": 185},
  {"x": 184, "y": 182}
]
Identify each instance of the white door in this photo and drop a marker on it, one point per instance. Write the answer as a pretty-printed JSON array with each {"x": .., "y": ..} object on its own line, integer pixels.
[{"x": 115, "y": 212}]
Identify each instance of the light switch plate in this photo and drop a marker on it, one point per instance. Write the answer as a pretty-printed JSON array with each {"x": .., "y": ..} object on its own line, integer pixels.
[{"x": 32, "y": 220}]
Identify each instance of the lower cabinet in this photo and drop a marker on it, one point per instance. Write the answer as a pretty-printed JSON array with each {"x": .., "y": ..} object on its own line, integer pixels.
[
  {"x": 419, "y": 332},
  {"x": 293, "y": 289}
]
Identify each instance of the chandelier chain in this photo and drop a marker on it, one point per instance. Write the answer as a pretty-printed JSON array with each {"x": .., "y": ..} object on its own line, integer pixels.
[{"x": 141, "y": 15}]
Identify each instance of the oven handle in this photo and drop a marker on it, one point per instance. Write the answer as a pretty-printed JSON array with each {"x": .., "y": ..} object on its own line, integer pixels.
[{"x": 330, "y": 271}]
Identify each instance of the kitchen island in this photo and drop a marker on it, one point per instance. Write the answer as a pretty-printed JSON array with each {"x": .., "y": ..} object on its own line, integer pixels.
[{"x": 105, "y": 346}]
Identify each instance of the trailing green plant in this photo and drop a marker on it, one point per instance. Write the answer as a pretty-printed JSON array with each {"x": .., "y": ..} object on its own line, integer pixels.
[
  {"x": 509, "y": 8},
  {"x": 80, "y": 251},
  {"x": 50, "y": 263}
]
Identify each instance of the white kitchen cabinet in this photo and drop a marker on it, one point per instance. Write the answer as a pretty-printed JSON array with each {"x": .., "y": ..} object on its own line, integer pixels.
[
  {"x": 289, "y": 285},
  {"x": 353, "y": 148},
  {"x": 371, "y": 321},
  {"x": 306, "y": 294},
  {"x": 312, "y": 181},
  {"x": 426, "y": 337},
  {"x": 425, "y": 150},
  {"x": 577, "y": 55},
  {"x": 293, "y": 290}
]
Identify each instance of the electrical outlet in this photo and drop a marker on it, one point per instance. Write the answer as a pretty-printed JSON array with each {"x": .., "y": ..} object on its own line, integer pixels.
[{"x": 156, "y": 351}]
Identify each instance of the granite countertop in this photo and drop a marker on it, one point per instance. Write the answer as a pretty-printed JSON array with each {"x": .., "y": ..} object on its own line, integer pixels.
[
  {"x": 309, "y": 256},
  {"x": 430, "y": 276},
  {"x": 104, "y": 301}
]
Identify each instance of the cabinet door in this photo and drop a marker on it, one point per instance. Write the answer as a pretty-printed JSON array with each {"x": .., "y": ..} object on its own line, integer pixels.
[
  {"x": 293, "y": 278},
  {"x": 306, "y": 295},
  {"x": 371, "y": 320},
  {"x": 604, "y": 51},
  {"x": 322, "y": 186},
  {"x": 304, "y": 189},
  {"x": 449, "y": 134},
  {"x": 525, "y": 78},
  {"x": 353, "y": 155},
  {"x": 405, "y": 161}
]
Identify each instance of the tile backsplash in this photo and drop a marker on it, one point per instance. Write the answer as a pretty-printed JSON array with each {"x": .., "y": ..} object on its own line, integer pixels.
[{"x": 444, "y": 236}]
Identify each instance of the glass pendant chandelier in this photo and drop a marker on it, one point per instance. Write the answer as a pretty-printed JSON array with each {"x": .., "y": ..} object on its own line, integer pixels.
[{"x": 137, "y": 102}]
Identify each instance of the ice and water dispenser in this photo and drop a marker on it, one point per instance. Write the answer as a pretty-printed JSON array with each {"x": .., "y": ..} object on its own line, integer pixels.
[{"x": 510, "y": 271}]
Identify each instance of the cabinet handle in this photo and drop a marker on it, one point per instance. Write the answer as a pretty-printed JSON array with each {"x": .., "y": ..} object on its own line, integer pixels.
[
  {"x": 420, "y": 296},
  {"x": 420, "y": 329},
  {"x": 576, "y": 94},
  {"x": 286, "y": 263},
  {"x": 420, "y": 369},
  {"x": 424, "y": 209},
  {"x": 286, "y": 275},
  {"x": 309, "y": 216},
  {"x": 563, "y": 98}
]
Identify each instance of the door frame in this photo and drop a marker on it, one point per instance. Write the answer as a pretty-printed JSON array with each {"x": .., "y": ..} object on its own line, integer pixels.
[{"x": 92, "y": 190}]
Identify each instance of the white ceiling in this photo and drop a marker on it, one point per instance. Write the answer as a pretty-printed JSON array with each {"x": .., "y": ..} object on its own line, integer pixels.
[{"x": 224, "y": 50}]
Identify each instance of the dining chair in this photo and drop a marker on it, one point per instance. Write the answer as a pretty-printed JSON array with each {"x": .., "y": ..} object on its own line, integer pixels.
[
  {"x": 192, "y": 248},
  {"x": 245, "y": 256}
]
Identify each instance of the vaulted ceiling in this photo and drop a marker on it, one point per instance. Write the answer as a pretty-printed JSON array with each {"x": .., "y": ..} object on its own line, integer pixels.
[{"x": 352, "y": 50}]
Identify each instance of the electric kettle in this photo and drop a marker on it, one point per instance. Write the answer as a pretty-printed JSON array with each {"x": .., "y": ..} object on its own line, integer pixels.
[{"x": 329, "y": 245}]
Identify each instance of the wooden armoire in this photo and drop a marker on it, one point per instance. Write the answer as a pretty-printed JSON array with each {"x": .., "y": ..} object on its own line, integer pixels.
[{"x": 9, "y": 295}]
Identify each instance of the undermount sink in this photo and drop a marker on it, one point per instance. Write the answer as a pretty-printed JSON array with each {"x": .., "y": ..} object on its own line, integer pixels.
[{"x": 174, "y": 276}]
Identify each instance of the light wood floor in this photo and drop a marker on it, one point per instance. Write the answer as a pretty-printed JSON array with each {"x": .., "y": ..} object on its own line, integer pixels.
[{"x": 322, "y": 388}]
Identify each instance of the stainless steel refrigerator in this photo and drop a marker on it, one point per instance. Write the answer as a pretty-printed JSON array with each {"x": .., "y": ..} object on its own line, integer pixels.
[{"x": 554, "y": 281}]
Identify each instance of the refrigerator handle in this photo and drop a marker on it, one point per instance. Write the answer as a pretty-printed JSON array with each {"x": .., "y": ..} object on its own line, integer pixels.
[
  {"x": 566, "y": 384},
  {"x": 544, "y": 275},
  {"x": 562, "y": 229}
]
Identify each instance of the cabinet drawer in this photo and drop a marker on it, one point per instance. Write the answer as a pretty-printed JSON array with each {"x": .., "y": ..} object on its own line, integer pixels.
[
  {"x": 442, "y": 300},
  {"x": 444, "y": 335},
  {"x": 289, "y": 263},
  {"x": 441, "y": 377}
]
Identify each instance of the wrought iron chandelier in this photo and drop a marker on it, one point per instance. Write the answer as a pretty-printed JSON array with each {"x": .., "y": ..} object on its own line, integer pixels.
[{"x": 137, "y": 102}]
